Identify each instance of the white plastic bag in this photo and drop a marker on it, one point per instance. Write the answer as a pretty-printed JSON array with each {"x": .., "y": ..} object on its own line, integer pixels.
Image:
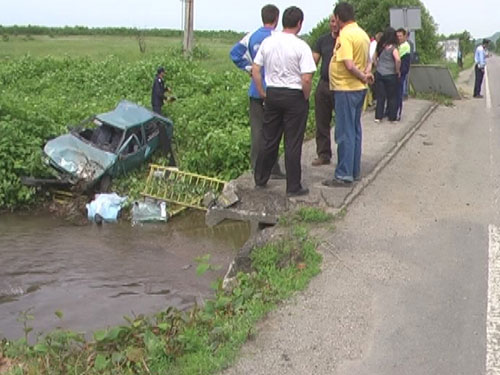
[{"x": 106, "y": 205}]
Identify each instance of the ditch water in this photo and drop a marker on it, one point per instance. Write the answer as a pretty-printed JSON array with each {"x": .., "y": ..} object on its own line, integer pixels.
[{"x": 96, "y": 274}]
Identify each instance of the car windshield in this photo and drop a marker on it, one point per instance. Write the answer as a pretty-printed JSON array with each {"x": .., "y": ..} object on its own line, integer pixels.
[{"x": 103, "y": 136}]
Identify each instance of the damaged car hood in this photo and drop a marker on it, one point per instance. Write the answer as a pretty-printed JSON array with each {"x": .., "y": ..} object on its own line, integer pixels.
[{"x": 78, "y": 158}]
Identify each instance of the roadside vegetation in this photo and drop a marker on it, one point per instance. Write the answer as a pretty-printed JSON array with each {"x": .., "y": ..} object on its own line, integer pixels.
[{"x": 202, "y": 340}]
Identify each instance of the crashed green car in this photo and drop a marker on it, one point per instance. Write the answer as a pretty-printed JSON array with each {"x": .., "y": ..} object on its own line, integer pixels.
[{"x": 109, "y": 144}]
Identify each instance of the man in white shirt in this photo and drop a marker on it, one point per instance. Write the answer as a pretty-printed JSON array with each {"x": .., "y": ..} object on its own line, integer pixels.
[
  {"x": 289, "y": 67},
  {"x": 480, "y": 64}
]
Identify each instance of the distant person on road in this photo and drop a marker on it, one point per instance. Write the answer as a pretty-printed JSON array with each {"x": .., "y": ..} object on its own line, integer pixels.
[
  {"x": 324, "y": 105},
  {"x": 387, "y": 76},
  {"x": 480, "y": 65},
  {"x": 242, "y": 54},
  {"x": 289, "y": 67},
  {"x": 460, "y": 59},
  {"x": 350, "y": 72},
  {"x": 405, "y": 56}
]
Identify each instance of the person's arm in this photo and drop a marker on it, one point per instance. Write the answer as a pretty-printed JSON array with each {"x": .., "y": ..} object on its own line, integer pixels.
[
  {"x": 482, "y": 60},
  {"x": 257, "y": 78},
  {"x": 306, "y": 79},
  {"x": 362, "y": 76},
  {"x": 369, "y": 66},
  {"x": 316, "y": 57},
  {"x": 316, "y": 51},
  {"x": 397, "y": 60},
  {"x": 240, "y": 55}
]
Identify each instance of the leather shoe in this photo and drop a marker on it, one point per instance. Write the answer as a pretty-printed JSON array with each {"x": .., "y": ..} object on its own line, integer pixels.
[
  {"x": 301, "y": 191},
  {"x": 320, "y": 161},
  {"x": 335, "y": 182}
]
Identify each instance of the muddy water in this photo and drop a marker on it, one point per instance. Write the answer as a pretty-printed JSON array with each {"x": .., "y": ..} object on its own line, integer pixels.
[{"x": 97, "y": 274}]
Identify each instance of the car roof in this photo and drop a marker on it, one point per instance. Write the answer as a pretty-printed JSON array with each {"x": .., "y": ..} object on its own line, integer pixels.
[{"x": 126, "y": 115}]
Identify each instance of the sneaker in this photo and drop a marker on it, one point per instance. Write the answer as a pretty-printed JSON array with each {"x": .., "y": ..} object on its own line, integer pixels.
[
  {"x": 260, "y": 187},
  {"x": 376, "y": 121},
  {"x": 320, "y": 161},
  {"x": 301, "y": 191},
  {"x": 336, "y": 182},
  {"x": 478, "y": 96}
]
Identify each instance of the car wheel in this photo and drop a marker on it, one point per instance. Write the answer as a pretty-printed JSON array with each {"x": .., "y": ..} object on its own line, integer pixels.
[{"x": 105, "y": 184}]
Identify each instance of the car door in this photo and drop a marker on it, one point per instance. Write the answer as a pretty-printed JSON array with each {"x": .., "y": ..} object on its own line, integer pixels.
[{"x": 131, "y": 154}]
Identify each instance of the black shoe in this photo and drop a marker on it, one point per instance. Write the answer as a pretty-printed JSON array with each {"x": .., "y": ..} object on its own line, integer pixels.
[
  {"x": 478, "y": 96},
  {"x": 260, "y": 187},
  {"x": 298, "y": 193},
  {"x": 278, "y": 176},
  {"x": 336, "y": 182}
]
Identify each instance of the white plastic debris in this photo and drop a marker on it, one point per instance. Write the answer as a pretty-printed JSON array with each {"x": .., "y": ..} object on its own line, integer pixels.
[{"x": 107, "y": 206}]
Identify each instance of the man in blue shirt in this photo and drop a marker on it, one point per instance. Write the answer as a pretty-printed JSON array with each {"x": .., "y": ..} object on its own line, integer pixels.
[
  {"x": 480, "y": 60},
  {"x": 242, "y": 55}
]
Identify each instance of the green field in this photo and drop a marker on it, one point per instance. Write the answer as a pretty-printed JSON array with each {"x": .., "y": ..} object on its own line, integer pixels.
[{"x": 214, "y": 52}]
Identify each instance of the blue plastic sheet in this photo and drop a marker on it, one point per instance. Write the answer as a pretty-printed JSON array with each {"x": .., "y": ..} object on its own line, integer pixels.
[{"x": 107, "y": 206}]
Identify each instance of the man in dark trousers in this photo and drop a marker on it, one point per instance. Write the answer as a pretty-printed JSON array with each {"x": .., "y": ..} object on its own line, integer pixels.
[
  {"x": 324, "y": 104},
  {"x": 242, "y": 55},
  {"x": 158, "y": 91},
  {"x": 157, "y": 99},
  {"x": 289, "y": 66},
  {"x": 480, "y": 65}
]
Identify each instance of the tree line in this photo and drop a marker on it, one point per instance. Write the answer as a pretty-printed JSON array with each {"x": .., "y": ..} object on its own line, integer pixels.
[{"x": 112, "y": 31}]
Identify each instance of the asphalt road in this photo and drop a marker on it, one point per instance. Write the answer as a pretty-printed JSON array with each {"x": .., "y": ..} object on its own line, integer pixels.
[{"x": 410, "y": 282}]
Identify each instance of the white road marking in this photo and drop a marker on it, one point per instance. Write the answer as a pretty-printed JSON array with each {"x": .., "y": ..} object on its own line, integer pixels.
[
  {"x": 487, "y": 88},
  {"x": 493, "y": 313}
]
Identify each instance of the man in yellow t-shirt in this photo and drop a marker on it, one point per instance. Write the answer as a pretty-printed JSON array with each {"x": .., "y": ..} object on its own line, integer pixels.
[{"x": 350, "y": 72}]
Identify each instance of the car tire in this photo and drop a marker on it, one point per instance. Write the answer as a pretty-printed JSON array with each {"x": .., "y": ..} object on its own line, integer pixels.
[{"x": 105, "y": 184}]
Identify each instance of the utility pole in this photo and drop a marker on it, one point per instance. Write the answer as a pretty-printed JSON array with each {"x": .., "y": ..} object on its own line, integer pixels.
[{"x": 188, "y": 26}]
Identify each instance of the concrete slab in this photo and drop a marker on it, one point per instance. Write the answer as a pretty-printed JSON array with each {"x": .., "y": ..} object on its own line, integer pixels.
[
  {"x": 433, "y": 78},
  {"x": 379, "y": 142}
]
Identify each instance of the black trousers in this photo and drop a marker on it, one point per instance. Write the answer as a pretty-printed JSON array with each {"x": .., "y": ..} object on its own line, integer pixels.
[
  {"x": 165, "y": 141},
  {"x": 285, "y": 112},
  {"x": 386, "y": 88},
  {"x": 256, "y": 123},
  {"x": 323, "y": 112},
  {"x": 479, "y": 80}
]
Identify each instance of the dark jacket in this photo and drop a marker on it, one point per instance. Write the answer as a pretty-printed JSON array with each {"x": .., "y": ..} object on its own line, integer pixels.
[
  {"x": 158, "y": 93},
  {"x": 405, "y": 64}
]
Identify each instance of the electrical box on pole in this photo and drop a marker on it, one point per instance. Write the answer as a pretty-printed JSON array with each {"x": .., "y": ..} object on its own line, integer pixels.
[{"x": 188, "y": 26}]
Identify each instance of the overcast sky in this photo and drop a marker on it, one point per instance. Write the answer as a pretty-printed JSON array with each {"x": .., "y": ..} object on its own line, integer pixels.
[{"x": 480, "y": 17}]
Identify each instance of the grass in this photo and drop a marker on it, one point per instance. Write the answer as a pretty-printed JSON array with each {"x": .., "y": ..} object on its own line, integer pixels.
[
  {"x": 436, "y": 97},
  {"x": 203, "y": 340},
  {"x": 124, "y": 47}
]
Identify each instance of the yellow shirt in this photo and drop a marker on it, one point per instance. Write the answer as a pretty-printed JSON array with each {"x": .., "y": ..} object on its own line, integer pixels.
[{"x": 352, "y": 44}]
